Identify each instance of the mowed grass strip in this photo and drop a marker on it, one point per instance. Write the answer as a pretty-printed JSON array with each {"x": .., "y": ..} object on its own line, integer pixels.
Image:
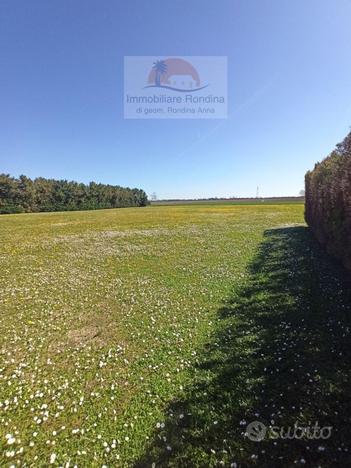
[{"x": 104, "y": 315}]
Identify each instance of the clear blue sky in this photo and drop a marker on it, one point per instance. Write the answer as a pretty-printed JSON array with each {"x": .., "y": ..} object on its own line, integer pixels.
[{"x": 61, "y": 92}]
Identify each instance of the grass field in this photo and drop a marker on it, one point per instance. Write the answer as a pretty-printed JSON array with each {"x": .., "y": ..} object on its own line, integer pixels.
[
  {"x": 154, "y": 335},
  {"x": 237, "y": 201}
]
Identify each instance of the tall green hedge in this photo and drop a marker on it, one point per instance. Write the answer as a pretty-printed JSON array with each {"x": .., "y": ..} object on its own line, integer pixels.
[
  {"x": 27, "y": 195},
  {"x": 328, "y": 201}
]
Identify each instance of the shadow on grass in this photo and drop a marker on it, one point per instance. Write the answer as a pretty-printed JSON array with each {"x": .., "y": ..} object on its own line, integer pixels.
[{"x": 281, "y": 356}]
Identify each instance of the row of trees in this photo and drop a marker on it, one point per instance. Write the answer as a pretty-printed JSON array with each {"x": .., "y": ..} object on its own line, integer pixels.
[
  {"x": 328, "y": 201},
  {"x": 28, "y": 195}
]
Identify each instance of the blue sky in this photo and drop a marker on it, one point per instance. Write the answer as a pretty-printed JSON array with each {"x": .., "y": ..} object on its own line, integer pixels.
[{"x": 61, "y": 92}]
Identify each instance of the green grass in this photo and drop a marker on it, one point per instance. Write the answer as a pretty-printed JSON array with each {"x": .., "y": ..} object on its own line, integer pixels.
[
  {"x": 140, "y": 336},
  {"x": 238, "y": 201}
]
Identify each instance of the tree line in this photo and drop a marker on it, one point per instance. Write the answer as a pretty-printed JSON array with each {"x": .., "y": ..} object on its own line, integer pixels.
[
  {"x": 328, "y": 201},
  {"x": 25, "y": 195}
]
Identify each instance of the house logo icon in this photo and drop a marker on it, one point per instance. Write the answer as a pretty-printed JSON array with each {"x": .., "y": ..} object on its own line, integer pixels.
[{"x": 175, "y": 74}]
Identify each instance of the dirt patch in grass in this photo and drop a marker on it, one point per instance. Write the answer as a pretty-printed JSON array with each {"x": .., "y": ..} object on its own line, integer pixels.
[
  {"x": 94, "y": 332},
  {"x": 85, "y": 335},
  {"x": 89, "y": 335}
]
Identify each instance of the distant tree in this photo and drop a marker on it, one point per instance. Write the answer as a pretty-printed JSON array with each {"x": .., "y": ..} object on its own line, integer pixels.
[
  {"x": 27, "y": 195},
  {"x": 302, "y": 193},
  {"x": 9, "y": 195}
]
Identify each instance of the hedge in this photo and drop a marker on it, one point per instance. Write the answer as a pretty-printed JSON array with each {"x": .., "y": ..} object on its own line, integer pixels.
[{"x": 328, "y": 201}]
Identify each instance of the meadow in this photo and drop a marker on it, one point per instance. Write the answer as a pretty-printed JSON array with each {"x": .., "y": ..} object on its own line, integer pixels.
[{"x": 153, "y": 336}]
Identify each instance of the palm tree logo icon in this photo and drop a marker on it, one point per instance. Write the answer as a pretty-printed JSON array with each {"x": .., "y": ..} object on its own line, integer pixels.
[
  {"x": 160, "y": 68},
  {"x": 175, "y": 74}
]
